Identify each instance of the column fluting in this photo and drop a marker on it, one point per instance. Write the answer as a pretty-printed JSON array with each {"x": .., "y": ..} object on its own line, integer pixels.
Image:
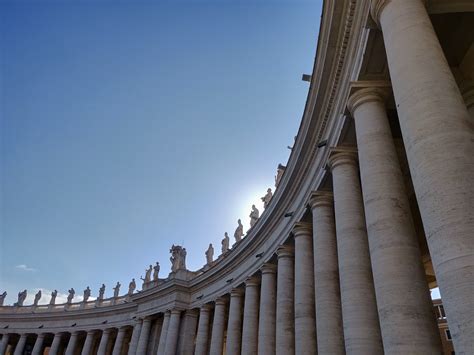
[
  {"x": 218, "y": 327},
  {"x": 359, "y": 308},
  {"x": 267, "y": 319},
  {"x": 203, "y": 330},
  {"x": 234, "y": 325},
  {"x": 71, "y": 345},
  {"x": 38, "y": 347},
  {"x": 438, "y": 137},
  {"x": 173, "y": 332},
  {"x": 118, "y": 345},
  {"x": 326, "y": 276},
  {"x": 285, "y": 301},
  {"x": 164, "y": 333},
  {"x": 251, "y": 315}
]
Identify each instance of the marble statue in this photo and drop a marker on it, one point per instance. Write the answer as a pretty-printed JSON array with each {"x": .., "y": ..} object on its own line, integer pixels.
[
  {"x": 37, "y": 298},
  {"x": 239, "y": 232},
  {"x": 254, "y": 216},
  {"x": 2, "y": 297},
  {"x": 52, "y": 301},
  {"x": 21, "y": 298},
  {"x": 225, "y": 243},
  {"x": 117, "y": 289},
  {"x": 101, "y": 292},
  {"x": 70, "y": 296},
  {"x": 266, "y": 199},
  {"x": 280, "y": 171},
  {"x": 156, "y": 271},
  {"x": 209, "y": 254},
  {"x": 148, "y": 274},
  {"x": 131, "y": 287},
  {"x": 87, "y": 294},
  {"x": 178, "y": 258}
]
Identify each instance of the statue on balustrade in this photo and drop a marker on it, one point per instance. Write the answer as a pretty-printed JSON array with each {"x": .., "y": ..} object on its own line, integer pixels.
[
  {"x": 225, "y": 243},
  {"x": 209, "y": 254},
  {"x": 117, "y": 289},
  {"x": 131, "y": 287},
  {"x": 2, "y": 297},
  {"x": 52, "y": 301},
  {"x": 21, "y": 298},
  {"x": 156, "y": 271},
  {"x": 280, "y": 170},
  {"x": 254, "y": 216},
  {"x": 266, "y": 199},
  {"x": 37, "y": 298},
  {"x": 178, "y": 258},
  {"x": 239, "y": 232},
  {"x": 101, "y": 292},
  {"x": 87, "y": 294},
  {"x": 148, "y": 274},
  {"x": 70, "y": 296}
]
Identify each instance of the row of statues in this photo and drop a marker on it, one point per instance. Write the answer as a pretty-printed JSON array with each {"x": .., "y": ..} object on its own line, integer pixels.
[{"x": 156, "y": 271}]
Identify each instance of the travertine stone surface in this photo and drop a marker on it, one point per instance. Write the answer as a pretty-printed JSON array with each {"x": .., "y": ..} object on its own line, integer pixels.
[
  {"x": 104, "y": 341},
  {"x": 218, "y": 327},
  {"x": 88, "y": 344},
  {"x": 267, "y": 319},
  {"x": 326, "y": 276},
  {"x": 305, "y": 316},
  {"x": 164, "y": 333},
  {"x": 118, "y": 345},
  {"x": 72, "y": 344},
  {"x": 285, "y": 311},
  {"x": 173, "y": 332},
  {"x": 359, "y": 308},
  {"x": 144, "y": 336},
  {"x": 20, "y": 346},
  {"x": 4, "y": 343},
  {"x": 439, "y": 145},
  {"x": 403, "y": 298},
  {"x": 54, "y": 350},
  {"x": 135, "y": 336},
  {"x": 38, "y": 347},
  {"x": 251, "y": 315},
  {"x": 189, "y": 331},
  {"x": 203, "y": 330},
  {"x": 234, "y": 326}
]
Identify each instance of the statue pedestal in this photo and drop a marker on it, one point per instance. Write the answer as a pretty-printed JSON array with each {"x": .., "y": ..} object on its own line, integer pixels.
[{"x": 183, "y": 274}]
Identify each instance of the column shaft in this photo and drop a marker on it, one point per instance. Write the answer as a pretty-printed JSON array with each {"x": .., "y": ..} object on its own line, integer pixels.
[
  {"x": 189, "y": 332},
  {"x": 359, "y": 308},
  {"x": 251, "y": 315},
  {"x": 104, "y": 341},
  {"x": 403, "y": 299},
  {"x": 218, "y": 327},
  {"x": 144, "y": 336},
  {"x": 55, "y": 345},
  {"x": 118, "y": 345},
  {"x": 20, "y": 346},
  {"x": 4, "y": 343},
  {"x": 38, "y": 348},
  {"x": 285, "y": 302},
  {"x": 326, "y": 276},
  {"x": 173, "y": 332},
  {"x": 267, "y": 320},
  {"x": 164, "y": 333},
  {"x": 439, "y": 146},
  {"x": 135, "y": 337},
  {"x": 71, "y": 345},
  {"x": 203, "y": 330},
  {"x": 234, "y": 327}
]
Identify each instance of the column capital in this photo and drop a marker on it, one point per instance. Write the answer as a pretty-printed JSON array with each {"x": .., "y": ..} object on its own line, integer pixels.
[
  {"x": 176, "y": 311},
  {"x": 107, "y": 331},
  {"x": 285, "y": 251},
  {"x": 146, "y": 319},
  {"x": 41, "y": 335},
  {"x": 89, "y": 332},
  {"x": 302, "y": 228},
  {"x": 252, "y": 281},
  {"x": 376, "y": 8},
  {"x": 221, "y": 301},
  {"x": 321, "y": 198},
  {"x": 192, "y": 313},
  {"x": 367, "y": 94},
  {"x": 237, "y": 292},
  {"x": 268, "y": 268},
  {"x": 205, "y": 308},
  {"x": 122, "y": 329},
  {"x": 342, "y": 155}
]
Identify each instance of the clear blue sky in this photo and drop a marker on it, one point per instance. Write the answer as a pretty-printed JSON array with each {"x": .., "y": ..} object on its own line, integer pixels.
[{"x": 127, "y": 126}]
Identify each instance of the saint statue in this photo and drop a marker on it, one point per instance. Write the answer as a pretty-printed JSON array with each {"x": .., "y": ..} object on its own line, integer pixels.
[
  {"x": 70, "y": 296},
  {"x": 209, "y": 254},
  {"x": 101, "y": 292},
  {"x": 178, "y": 258},
  {"x": 266, "y": 199},
  {"x": 117, "y": 289},
  {"x": 52, "y": 301},
  {"x": 21, "y": 298},
  {"x": 87, "y": 294},
  {"x": 131, "y": 287},
  {"x": 148, "y": 274},
  {"x": 254, "y": 216},
  {"x": 37, "y": 298},
  {"x": 280, "y": 171},
  {"x": 225, "y": 243},
  {"x": 2, "y": 297},
  {"x": 239, "y": 232},
  {"x": 156, "y": 271}
]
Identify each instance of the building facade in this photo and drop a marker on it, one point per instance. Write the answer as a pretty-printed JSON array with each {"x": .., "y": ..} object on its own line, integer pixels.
[{"x": 375, "y": 207}]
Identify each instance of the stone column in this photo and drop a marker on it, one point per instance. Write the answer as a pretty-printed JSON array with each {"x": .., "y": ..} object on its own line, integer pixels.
[
  {"x": 203, "y": 330},
  {"x": 305, "y": 316},
  {"x": 164, "y": 333},
  {"x": 137, "y": 328},
  {"x": 189, "y": 332},
  {"x": 438, "y": 138},
  {"x": 20, "y": 346},
  {"x": 285, "y": 301},
  {"x": 104, "y": 341},
  {"x": 359, "y": 309},
  {"x": 71, "y": 345},
  {"x": 218, "y": 327},
  {"x": 251, "y": 315},
  {"x": 118, "y": 345},
  {"x": 173, "y": 332},
  {"x": 4, "y": 343},
  {"x": 89, "y": 343},
  {"x": 326, "y": 276},
  {"x": 144, "y": 335},
  {"x": 267, "y": 319},
  {"x": 56, "y": 343},
  {"x": 399, "y": 277},
  {"x": 38, "y": 348},
  {"x": 234, "y": 325}
]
